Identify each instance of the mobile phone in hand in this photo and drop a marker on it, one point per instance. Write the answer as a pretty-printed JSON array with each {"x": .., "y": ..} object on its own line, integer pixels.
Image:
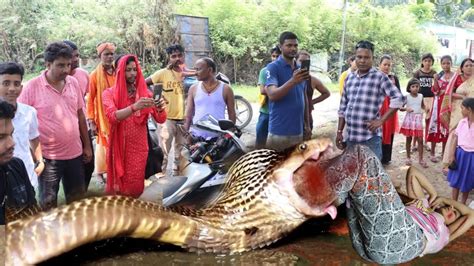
[
  {"x": 157, "y": 91},
  {"x": 305, "y": 65}
]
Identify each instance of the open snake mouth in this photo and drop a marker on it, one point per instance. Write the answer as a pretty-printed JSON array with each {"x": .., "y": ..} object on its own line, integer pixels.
[
  {"x": 310, "y": 182},
  {"x": 327, "y": 153}
]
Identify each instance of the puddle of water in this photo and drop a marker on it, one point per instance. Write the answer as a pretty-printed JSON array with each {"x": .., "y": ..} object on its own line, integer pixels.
[{"x": 311, "y": 244}]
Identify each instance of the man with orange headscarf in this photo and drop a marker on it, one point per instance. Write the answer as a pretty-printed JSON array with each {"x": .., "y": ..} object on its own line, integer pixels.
[
  {"x": 101, "y": 78},
  {"x": 127, "y": 107}
]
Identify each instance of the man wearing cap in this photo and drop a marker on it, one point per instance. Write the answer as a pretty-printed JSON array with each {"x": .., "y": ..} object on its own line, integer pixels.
[{"x": 102, "y": 78}]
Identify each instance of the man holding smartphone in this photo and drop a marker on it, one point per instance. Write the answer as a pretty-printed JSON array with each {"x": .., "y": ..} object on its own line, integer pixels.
[
  {"x": 171, "y": 78},
  {"x": 310, "y": 85},
  {"x": 285, "y": 89}
]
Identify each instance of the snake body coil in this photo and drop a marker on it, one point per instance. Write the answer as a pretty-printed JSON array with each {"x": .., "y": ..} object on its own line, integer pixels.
[{"x": 258, "y": 205}]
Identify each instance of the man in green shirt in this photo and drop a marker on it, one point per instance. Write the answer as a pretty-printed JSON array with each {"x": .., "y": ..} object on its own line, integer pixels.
[{"x": 263, "y": 119}]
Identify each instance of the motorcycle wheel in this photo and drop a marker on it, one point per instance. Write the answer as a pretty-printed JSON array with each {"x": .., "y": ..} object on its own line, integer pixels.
[{"x": 243, "y": 112}]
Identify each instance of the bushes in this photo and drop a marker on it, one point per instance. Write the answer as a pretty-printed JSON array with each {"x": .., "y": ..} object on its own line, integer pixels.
[
  {"x": 142, "y": 27},
  {"x": 242, "y": 31}
]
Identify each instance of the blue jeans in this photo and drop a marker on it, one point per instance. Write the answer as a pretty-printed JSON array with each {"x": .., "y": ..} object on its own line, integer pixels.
[
  {"x": 374, "y": 143},
  {"x": 262, "y": 130},
  {"x": 70, "y": 172}
]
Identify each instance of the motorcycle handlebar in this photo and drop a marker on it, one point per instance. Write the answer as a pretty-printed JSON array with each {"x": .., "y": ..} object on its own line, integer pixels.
[{"x": 200, "y": 149}]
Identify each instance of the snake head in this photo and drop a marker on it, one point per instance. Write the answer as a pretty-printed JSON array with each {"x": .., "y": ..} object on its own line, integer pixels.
[{"x": 301, "y": 177}]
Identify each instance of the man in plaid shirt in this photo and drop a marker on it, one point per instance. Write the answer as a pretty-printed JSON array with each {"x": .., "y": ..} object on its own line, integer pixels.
[{"x": 363, "y": 95}]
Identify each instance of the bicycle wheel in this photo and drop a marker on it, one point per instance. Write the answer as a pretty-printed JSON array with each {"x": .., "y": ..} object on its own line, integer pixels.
[{"x": 243, "y": 112}]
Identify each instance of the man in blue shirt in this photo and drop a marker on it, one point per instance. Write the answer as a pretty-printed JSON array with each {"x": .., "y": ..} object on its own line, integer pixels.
[{"x": 285, "y": 89}]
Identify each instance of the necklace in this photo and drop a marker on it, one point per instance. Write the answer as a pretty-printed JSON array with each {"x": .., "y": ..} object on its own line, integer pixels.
[
  {"x": 211, "y": 88},
  {"x": 131, "y": 90}
]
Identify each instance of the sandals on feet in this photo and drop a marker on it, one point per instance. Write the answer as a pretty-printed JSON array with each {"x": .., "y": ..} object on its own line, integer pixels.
[
  {"x": 423, "y": 164},
  {"x": 434, "y": 159},
  {"x": 445, "y": 171},
  {"x": 408, "y": 162}
]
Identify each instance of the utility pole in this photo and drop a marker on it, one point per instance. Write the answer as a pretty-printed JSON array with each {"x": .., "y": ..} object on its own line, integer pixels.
[{"x": 341, "y": 52}]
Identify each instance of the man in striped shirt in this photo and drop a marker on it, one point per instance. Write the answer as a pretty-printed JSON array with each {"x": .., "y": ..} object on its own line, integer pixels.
[{"x": 363, "y": 95}]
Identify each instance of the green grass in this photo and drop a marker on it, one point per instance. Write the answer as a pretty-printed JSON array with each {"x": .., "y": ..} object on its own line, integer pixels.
[{"x": 250, "y": 93}]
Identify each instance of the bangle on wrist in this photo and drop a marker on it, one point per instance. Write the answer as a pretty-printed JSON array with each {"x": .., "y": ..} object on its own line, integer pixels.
[
  {"x": 339, "y": 131},
  {"x": 133, "y": 109}
]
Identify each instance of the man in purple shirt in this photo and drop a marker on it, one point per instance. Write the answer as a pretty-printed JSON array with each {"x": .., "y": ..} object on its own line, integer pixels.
[{"x": 363, "y": 95}]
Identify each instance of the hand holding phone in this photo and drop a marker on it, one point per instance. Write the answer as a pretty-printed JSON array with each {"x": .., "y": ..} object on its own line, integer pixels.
[
  {"x": 305, "y": 64},
  {"x": 157, "y": 91}
]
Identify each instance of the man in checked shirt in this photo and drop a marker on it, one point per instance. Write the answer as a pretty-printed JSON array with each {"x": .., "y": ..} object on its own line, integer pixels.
[{"x": 364, "y": 93}]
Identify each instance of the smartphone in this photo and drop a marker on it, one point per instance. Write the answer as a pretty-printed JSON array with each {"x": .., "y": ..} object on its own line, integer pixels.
[
  {"x": 305, "y": 64},
  {"x": 157, "y": 91}
]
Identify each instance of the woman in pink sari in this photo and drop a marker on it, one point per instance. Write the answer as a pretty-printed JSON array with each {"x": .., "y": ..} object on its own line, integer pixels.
[{"x": 460, "y": 87}]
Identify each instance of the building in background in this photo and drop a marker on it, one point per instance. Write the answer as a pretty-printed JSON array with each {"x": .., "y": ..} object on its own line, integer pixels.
[{"x": 454, "y": 41}]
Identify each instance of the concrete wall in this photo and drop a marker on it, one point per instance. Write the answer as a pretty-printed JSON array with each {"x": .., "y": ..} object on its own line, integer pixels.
[{"x": 453, "y": 41}]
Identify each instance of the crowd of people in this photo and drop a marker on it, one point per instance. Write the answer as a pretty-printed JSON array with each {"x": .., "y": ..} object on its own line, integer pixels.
[
  {"x": 433, "y": 110},
  {"x": 59, "y": 114},
  {"x": 51, "y": 122}
]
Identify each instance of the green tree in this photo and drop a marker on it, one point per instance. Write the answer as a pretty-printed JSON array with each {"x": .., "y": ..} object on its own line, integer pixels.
[{"x": 142, "y": 27}]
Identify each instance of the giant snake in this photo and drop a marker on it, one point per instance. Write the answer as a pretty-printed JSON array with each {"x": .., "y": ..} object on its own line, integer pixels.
[{"x": 267, "y": 194}]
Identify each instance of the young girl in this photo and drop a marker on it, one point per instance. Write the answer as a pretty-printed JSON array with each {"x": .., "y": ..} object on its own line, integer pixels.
[
  {"x": 461, "y": 177},
  {"x": 437, "y": 132},
  {"x": 412, "y": 126},
  {"x": 426, "y": 77}
]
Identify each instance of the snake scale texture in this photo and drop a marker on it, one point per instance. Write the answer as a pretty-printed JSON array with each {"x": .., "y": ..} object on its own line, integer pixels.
[{"x": 265, "y": 197}]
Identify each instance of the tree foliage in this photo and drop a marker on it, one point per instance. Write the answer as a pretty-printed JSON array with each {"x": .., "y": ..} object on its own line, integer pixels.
[
  {"x": 394, "y": 31},
  {"x": 241, "y": 31},
  {"x": 245, "y": 30},
  {"x": 26, "y": 26}
]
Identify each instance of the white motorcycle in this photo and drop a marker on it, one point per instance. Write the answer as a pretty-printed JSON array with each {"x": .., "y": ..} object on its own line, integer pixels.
[{"x": 206, "y": 166}]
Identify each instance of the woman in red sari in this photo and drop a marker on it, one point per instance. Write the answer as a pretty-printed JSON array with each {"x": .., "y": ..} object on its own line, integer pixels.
[
  {"x": 437, "y": 131},
  {"x": 391, "y": 125},
  {"x": 128, "y": 106}
]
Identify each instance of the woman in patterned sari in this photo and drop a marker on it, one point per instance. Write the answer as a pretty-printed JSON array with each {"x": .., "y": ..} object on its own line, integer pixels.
[
  {"x": 460, "y": 87},
  {"x": 384, "y": 228}
]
